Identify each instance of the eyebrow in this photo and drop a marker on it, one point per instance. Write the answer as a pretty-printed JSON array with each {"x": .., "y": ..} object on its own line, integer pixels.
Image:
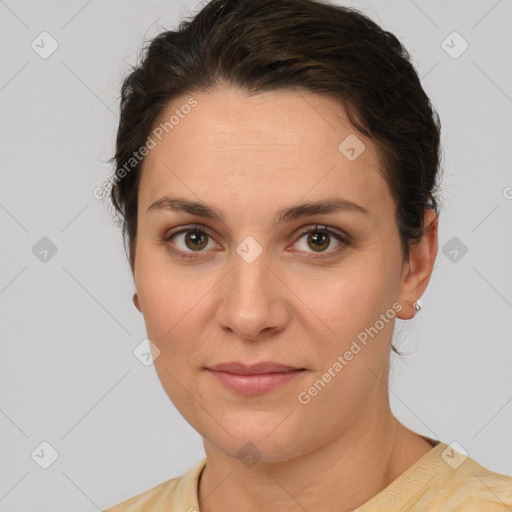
[{"x": 323, "y": 206}]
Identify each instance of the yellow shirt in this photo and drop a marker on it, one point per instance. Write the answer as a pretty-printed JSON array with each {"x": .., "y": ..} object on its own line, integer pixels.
[{"x": 443, "y": 480}]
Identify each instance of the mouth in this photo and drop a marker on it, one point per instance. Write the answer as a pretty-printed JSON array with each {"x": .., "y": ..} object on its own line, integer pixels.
[{"x": 254, "y": 379}]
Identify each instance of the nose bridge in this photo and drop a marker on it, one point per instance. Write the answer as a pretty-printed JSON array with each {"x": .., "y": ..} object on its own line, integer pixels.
[
  {"x": 252, "y": 299},
  {"x": 250, "y": 276}
]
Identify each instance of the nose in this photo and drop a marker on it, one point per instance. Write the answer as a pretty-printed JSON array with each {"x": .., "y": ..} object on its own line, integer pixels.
[{"x": 254, "y": 303}]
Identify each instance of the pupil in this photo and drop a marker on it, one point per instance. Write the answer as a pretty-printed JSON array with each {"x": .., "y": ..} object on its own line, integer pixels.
[
  {"x": 197, "y": 238},
  {"x": 319, "y": 240}
]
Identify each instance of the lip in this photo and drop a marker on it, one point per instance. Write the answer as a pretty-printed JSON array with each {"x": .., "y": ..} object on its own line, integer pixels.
[
  {"x": 253, "y": 369},
  {"x": 256, "y": 378}
]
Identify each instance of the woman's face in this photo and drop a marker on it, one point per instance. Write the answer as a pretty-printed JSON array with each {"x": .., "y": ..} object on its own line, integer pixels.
[{"x": 261, "y": 286}]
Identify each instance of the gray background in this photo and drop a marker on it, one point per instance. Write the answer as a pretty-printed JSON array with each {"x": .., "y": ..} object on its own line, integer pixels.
[{"x": 68, "y": 327}]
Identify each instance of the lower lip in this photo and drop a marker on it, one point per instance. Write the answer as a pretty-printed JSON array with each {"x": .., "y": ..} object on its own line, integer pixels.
[{"x": 254, "y": 384}]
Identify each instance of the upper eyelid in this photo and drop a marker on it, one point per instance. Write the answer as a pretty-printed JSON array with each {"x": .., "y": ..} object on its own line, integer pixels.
[{"x": 183, "y": 229}]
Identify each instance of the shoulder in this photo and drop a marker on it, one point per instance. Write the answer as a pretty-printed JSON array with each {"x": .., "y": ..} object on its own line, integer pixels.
[
  {"x": 148, "y": 498},
  {"x": 173, "y": 494},
  {"x": 470, "y": 487},
  {"x": 445, "y": 480}
]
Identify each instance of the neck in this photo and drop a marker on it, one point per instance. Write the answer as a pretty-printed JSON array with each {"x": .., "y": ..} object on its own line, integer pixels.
[{"x": 340, "y": 475}]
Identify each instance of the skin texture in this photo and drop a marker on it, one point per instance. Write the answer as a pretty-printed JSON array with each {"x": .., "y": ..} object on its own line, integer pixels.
[{"x": 249, "y": 157}]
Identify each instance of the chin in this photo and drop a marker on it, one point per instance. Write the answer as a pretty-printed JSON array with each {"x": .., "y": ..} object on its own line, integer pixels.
[
  {"x": 250, "y": 451},
  {"x": 255, "y": 437}
]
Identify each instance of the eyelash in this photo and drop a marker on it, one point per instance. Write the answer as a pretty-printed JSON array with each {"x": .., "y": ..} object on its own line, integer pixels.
[{"x": 343, "y": 239}]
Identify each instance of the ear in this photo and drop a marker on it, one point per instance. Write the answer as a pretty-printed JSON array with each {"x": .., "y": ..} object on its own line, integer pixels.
[
  {"x": 418, "y": 268},
  {"x": 136, "y": 302}
]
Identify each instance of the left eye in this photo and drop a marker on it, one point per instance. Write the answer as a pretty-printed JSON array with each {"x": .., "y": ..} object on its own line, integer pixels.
[{"x": 319, "y": 239}]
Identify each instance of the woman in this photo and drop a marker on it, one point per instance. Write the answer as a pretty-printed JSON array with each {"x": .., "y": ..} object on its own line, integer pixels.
[{"x": 277, "y": 164}]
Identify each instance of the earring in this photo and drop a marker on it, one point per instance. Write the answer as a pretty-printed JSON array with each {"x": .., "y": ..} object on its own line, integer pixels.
[{"x": 417, "y": 307}]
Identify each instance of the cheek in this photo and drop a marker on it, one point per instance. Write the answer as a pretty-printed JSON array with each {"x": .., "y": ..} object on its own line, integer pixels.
[
  {"x": 173, "y": 309},
  {"x": 167, "y": 295},
  {"x": 351, "y": 297},
  {"x": 171, "y": 306}
]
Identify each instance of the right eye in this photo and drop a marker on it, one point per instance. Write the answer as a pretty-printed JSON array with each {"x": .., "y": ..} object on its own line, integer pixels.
[{"x": 190, "y": 240}]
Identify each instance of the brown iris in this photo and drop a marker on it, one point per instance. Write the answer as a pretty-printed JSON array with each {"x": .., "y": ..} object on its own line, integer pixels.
[
  {"x": 199, "y": 239},
  {"x": 320, "y": 240}
]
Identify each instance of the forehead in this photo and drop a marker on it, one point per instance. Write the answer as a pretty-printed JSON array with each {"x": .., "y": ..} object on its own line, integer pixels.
[{"x": 280, "y": 145}]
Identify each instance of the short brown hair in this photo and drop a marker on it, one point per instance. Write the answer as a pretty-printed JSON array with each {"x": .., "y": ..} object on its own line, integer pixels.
[{"x": 262, "y": 45}]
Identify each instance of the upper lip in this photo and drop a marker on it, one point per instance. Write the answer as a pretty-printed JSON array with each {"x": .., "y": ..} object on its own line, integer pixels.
[{"x": 253, "y": 369}]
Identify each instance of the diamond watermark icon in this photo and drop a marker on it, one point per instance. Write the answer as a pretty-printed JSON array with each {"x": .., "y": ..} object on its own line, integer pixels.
[
  {"x": 44, "y": 45},
  {"x": 44, "y": 455},
  {"x": 454, "y": 455},
  {"x": 249, "y": 454},
  {"x": 146, "y": 352},
  {"x": 44, "y": 250},
  {"x": 249, "y": 249},
  {"x": 351, "y": 147},
  {"x": 454, "y": 45},
  {"x": 454, "y": 249}
]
